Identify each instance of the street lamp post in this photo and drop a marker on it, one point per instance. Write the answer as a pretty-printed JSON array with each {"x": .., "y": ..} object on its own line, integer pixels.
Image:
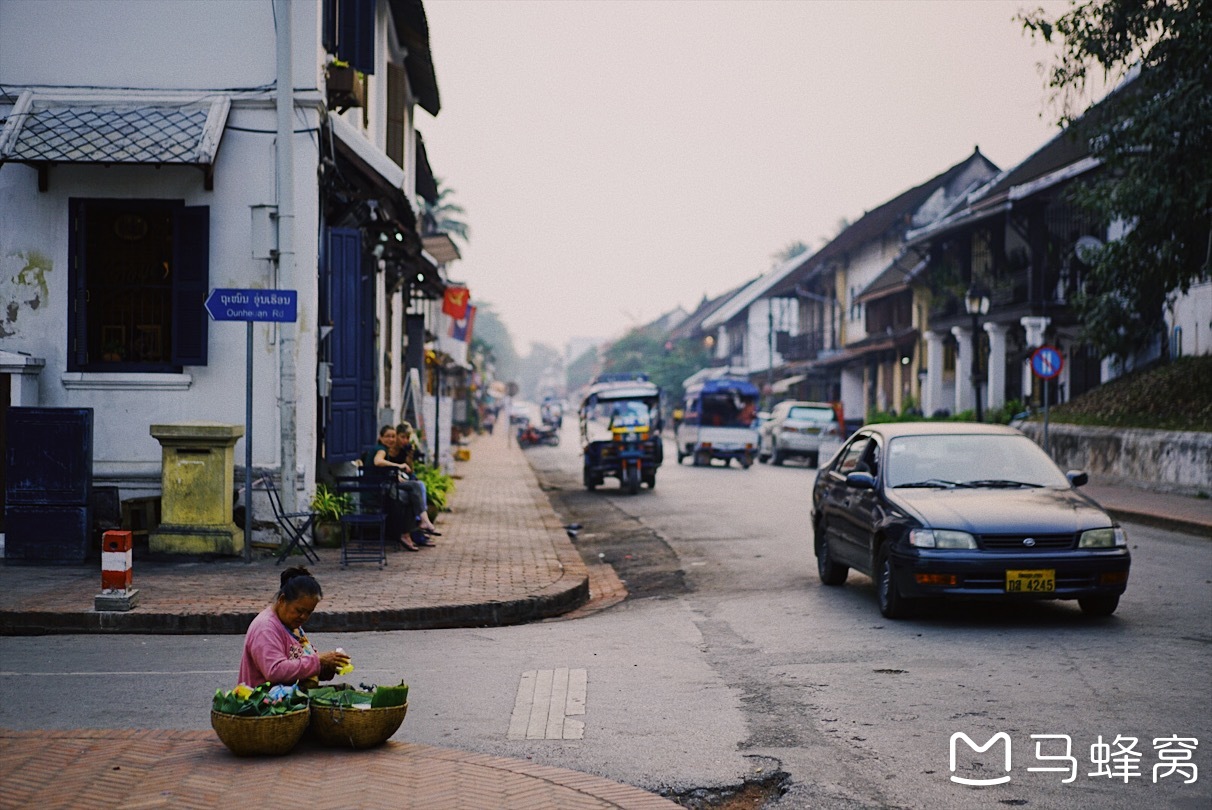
[{"x": 977, "y": 305}]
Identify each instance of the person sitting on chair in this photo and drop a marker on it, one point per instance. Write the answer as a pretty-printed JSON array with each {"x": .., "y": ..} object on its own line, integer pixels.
[
  {"x": 402, "y": 498},
  {"x": 404, "y": 452}
]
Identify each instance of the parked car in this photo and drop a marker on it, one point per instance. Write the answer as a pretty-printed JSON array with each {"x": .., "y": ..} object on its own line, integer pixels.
[
  {"x": 951, "y": 509},
  {"x": 799, "y": 429}
]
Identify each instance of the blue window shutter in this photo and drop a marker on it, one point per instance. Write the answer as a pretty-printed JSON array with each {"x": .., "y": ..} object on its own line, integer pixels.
[
  {"x": 191, "y": 284},
  {"x": 78, "y": 322},
  {"x": 356, "y": 34},
  {"x": 343, "y": 436}
]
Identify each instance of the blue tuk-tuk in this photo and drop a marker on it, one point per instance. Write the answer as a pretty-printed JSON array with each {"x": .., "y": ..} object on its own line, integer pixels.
[
  {"x": 719, "y": 420},
  {"x": 621, "y": 431}
]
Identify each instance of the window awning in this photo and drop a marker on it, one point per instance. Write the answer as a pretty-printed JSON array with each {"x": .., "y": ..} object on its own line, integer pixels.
[{"x": 42, "y": 131}]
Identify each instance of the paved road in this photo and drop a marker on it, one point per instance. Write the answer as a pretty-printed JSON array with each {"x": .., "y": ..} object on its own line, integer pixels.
[{"x": 731, "y": 660}]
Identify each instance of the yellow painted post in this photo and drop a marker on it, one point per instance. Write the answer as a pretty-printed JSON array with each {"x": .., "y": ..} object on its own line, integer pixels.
[{"x": 197, "y": 483}]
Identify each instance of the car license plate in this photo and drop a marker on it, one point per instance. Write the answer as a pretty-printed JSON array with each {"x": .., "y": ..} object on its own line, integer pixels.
[{"x": 1042, "y": 580}]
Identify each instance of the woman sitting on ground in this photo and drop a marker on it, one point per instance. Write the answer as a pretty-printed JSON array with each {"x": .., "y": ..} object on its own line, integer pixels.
[{"x": 275, "y": 647}]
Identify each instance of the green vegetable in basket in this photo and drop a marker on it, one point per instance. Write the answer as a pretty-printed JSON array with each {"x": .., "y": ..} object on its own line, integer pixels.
[
  {"x": 265, "y": 700},
  {"x": 334, "y": 696},
  {"x": 390, "y": 696}
]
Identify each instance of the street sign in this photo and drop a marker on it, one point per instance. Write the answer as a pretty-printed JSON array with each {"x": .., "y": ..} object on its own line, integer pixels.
[
  {"x": 281, "y": 306},
  {"x": 1046, "y": 362}
]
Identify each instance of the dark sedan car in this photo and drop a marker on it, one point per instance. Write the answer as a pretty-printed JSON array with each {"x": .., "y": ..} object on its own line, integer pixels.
[{"x": 951, "y": 509}]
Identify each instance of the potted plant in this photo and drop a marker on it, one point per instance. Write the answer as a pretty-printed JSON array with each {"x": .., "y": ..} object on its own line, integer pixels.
[
  {"x": 437, "y": 486},
  {"x": 329, "y": 505}
]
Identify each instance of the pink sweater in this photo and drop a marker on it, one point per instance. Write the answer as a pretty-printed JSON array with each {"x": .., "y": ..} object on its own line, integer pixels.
[{"x": 272, "y": 653}]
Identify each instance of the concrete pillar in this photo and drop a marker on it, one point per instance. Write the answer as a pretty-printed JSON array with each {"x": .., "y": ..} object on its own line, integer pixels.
[
  {"x": 932, "y": 395},
  {"x": 964, "y": 399},
  {"x": 197, "y": 482},
  {"x": 23, "y": 371},
  {"x": 996, "y": 387},
  {"x": 396, "y": 396}
]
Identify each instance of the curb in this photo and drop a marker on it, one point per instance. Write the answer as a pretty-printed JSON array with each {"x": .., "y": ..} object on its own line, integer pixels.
[
  {"x": 1173, "y": 524},
  {"x": 569, "y": 593}
]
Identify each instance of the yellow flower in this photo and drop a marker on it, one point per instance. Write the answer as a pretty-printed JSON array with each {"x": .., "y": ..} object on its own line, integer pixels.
[{"x": 242, "y": 691}]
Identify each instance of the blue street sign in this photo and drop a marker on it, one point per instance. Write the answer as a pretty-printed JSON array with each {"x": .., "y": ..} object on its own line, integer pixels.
[
  {"x": 1046, "y": 362},
  {"x": 281, "y": 306}
]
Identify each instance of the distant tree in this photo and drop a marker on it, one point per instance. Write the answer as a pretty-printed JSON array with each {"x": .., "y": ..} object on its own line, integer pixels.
[
  {"x": 788, "y": 252},
  {"x": 650, "y": 351},
  {"x": 444, "y": 215},
  {"x": 1152, "y": 137},
  {"x": 582, "y": 369},
  {"x": 492, "y": 331}
]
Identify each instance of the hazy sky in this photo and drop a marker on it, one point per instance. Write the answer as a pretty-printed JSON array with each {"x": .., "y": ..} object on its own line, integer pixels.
[{"x": 618, "y": 159}]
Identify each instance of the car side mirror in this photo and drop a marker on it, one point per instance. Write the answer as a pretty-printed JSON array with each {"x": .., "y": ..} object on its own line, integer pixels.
[
  {"x": 860, "y": 480},
  {"x": 1078, "y": 478}
]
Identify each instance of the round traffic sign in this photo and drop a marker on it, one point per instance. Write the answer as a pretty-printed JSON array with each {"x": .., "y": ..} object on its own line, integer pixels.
[{"x": 1046, "y": 362}]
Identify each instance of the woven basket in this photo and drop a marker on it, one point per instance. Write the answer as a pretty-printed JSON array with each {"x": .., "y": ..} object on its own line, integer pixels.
[
  {"x": 355, "y": 728},
  {"x": 256, "y": 736}
]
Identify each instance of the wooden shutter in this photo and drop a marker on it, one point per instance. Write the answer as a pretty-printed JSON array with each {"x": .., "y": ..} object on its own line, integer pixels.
[
  {"x": 397, "y": 87},
  {"x": 356, "y": 34},
  {"x": 191, "y": 284},
  {"x": 77, "y": 323}
]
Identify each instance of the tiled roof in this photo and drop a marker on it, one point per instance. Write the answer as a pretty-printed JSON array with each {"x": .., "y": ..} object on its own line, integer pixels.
[{"x": 53, "y": 131}]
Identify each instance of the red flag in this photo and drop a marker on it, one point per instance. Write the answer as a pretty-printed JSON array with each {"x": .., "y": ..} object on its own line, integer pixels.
[{"x": 454, "y": 303}]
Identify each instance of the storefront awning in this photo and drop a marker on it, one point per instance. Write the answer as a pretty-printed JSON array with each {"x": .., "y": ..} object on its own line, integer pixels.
[
  {"x": 42, "y": 131},
  {"x": 784, "y": 385}
]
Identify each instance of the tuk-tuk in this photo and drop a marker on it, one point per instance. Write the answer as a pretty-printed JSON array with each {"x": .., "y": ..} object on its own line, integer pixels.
[
  {"x": 719, "y": 421},
  {"x": 621, "y": 431}
]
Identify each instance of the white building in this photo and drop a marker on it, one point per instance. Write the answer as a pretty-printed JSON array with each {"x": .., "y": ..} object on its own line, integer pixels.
[{"x": 151, "y": 152}]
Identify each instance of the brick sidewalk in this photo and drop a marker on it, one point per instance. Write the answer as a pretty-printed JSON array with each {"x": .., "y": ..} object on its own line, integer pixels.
[
  {"x": 503, "y": 558},
  {"x": 132, "y": 768}
]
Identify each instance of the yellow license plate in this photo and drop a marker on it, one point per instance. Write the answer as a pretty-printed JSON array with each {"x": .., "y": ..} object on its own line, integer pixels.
[{"x": 1042, "y": 580}]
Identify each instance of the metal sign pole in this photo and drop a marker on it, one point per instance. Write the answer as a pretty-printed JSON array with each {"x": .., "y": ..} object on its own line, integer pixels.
[
  {"x": 1047, "y": 385},
  {"x": 248, "y": 399},
  {"x": 250, "y": 305}
]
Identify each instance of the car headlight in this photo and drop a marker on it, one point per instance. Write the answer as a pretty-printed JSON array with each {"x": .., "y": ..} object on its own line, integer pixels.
[
  {"x": 1113, "y": 537},
  {"x": 941, "y": 538}
]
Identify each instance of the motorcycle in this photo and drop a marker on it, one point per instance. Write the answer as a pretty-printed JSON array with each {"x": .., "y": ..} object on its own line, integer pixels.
[{"x": 529, "y": 436}]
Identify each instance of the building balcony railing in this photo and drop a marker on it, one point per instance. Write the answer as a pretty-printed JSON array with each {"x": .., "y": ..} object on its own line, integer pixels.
[{"x": 799, "y": 347}]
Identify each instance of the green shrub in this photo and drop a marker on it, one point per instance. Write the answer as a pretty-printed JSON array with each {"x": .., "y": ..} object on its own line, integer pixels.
[{"x": 437, "y": 485}]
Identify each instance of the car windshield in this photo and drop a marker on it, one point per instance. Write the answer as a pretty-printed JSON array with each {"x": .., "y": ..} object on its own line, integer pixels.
[
  {"x": 811, "y": 414},
  {"x": 970, "y": 460}
]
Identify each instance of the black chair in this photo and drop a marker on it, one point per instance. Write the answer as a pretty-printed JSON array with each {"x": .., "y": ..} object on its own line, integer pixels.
[
  {"x": 364, "y": 527},
  {"x": 296, "y": 526}
]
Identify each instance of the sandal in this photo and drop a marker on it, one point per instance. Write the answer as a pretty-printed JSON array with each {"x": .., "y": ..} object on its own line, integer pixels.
[
  {"x": 431, "y": 532},
  {"x": 407, "y": 544}
]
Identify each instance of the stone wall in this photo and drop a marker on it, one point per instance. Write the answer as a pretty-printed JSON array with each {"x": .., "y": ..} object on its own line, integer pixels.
[{"x": 1164, "y": 461}]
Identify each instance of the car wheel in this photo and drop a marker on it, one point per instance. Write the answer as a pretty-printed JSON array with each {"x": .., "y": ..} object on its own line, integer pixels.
[
  {"x": 1099, "y": 605},
  {"x": 814, "y": 460},
  {"x": 777, "y": 456},
  {"x": 590, "y": 479},
  {"x": 831, "y": 573},
  {"x": 763, "y": 457},
  {"x": 892, "y": 604}
]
